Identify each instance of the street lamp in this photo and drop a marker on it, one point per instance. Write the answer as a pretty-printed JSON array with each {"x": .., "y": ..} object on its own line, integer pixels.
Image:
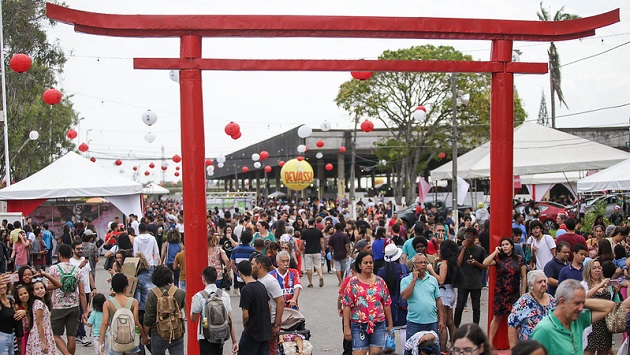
[
  {"x": 464, "y": 101},
  {"x": 32, "y": 136}
]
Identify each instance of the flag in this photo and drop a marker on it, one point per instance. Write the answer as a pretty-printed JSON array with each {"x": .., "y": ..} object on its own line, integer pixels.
[
  {"x": 462, "y": 190},
  {"x": 423, "y": 189}
]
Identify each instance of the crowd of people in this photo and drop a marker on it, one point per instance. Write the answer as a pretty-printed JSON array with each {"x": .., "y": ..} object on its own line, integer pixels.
[{"x": 411, "y": 282}]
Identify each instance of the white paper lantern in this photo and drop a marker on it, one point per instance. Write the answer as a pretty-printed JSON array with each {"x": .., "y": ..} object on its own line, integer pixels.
[
  {"x": 220, "y": 165},
  {"x": 149, "y": 137},
  {"x": 210, "y": 169},
  {"x": 174, "y": 75},
  {"x": 149, "y": 118},
  {"x": 165, "y": 164},
  {"x": 383, "y": 162},
  {"x": 325, "y": 126},
  {"x": 257, "y": 165},
  {"x": 304, "y": 131},
  {"x": 319, "y": 155},
  {"x": 301, "y": 148},
  {"x": 33, "y": 135},
  {"x": 221, "y": 159},
  {"x": 419, "y": 114},
  {"x": 255, "y": 157},
  {"x": 211, "y": 173},
  {"x": 122, "y": 171}
]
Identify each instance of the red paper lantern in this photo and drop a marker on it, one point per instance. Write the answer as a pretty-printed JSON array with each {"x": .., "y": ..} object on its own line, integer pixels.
[
  {"x": 328, "y": 167},
  {"x": 146, "y": 173},
  {"x": 281, "y": 163},
  {"x": 20, "y": 62},
  {"x": 177, "y": 168},
  {"x": 135, "y": 168},
  {"x": 177, "y": 173},
  {"x": 264, "y": 155},
  {"x": 118, "y": 162},
  {"x": 83, "y": 147},
  {"x": 236, "y": 136},
  {"x": 177, "y": 158},
  {"x": 320, "y": 143},
  {"x": 367, "y": 126},
  {"x": 71, "y": 134},
  {"x": 164, "y": 168},
  {"x": 151, "y": 165},
  {"x": 245, "y": 169},
  {"x": 342, "y": 149},
  {"x": 93, "y": 160},
  {"x": 300, "y": 158},
  {"x": 208, "y": 162},
  {"x": 267, "y": 169},
  {"x": 362, "y": 75},
  {"x": 442, "y": 155},
  {"x": 232, "y": 129},
  {"x": 52, "y": 96}
]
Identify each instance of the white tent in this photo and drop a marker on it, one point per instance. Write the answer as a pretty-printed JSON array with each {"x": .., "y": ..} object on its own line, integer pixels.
[
  {"x": 537, "y": 149},
  {"x": 155, "y": 189},
  {"x": 73, "y": 176},
  {"x": 615, "y": 177}
]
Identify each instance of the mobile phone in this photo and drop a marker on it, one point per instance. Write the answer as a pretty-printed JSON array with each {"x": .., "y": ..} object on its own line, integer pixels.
[
  {"x": 14, "y": 277},
  {"x": 470, "y": 261},
  {"x": 614, "y": 282}
]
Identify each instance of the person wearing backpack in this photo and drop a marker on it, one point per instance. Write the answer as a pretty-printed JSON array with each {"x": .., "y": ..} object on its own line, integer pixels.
[
  {"x": 163, "y": 314},
  {"x": 66, "y": 299},
  {"x": 120, "y": 314},
  {"x": 213, "y": 309}
]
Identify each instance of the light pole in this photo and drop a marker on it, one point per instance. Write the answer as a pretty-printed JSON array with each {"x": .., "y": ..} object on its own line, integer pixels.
[
  {"x": 454, "y": 153},
  {"x": 7, "y": 167},
  {"x": 352, "y": 167}
]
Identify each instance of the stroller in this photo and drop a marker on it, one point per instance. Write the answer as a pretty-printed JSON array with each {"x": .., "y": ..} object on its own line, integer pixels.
[{"x": 293, "y": 323}]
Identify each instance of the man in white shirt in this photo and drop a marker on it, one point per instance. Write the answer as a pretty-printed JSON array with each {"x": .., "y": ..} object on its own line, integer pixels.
[
  {"x": 89, "y": 285},
  {"x": 134, "y": 223},
  {"x": 197, "y": 311},
  {"x": 146, "y": 244}
]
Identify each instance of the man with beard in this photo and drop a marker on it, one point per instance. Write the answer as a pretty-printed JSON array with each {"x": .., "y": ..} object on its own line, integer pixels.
[{"x": 83, "y": 264}]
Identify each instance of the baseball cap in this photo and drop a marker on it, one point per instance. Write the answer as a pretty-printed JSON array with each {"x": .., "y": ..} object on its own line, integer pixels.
[{"x": 361, "y": 244}]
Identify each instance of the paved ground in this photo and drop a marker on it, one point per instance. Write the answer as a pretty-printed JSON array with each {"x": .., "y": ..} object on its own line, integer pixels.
[{"x": 318, "y": 305}]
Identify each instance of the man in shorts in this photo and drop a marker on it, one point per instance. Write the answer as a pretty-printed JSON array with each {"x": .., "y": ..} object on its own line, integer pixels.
[
  {"x": 313, "y": 252},
  {"x": 65, "y": 305}
]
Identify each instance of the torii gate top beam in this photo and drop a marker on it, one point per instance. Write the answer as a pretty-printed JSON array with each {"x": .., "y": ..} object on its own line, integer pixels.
[{"x": 327, "y": 26}]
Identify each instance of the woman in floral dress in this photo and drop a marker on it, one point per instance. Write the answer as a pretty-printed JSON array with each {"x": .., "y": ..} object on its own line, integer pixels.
[
  {"x": 530, "y": 308},
  {"x": 510, "y": 284},
  {"x": 367, "y": 315},
  {"x": 41, "y": 339}
]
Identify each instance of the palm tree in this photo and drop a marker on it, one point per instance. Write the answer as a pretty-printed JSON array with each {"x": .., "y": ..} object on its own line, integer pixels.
[{"x": 555, "y": 78}]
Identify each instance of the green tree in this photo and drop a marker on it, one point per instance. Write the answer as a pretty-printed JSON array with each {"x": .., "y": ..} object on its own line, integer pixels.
[
  {"x": 543, "y": 114},
  {"x": 392, "y": 97},
  {"x": 24, "y": 28},
  {"x": 555, "y": 81}
]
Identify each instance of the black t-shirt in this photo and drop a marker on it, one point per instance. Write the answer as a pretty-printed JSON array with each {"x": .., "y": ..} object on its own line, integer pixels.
[
  {"x": 472, "y": 274},
  {"x": 362, "y": 223},
  {"x": 398, "y": 240},
  {"x": 255, "y": 300},
  {"x": 153, "y": 229},
  {"x": 226, "y": 244},
  {"x": 312, "y": 237},
  {"x": 338, "y": 243}
]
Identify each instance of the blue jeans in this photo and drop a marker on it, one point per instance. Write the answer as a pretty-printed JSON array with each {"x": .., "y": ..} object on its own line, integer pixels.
[
  {"x": 6, "y": 343},
  {"x": 361, "y": 340},
  {"x": 159, "y": 345},
  {"x": 182, "y": 285},
  {"x": 413, "y": 328}
]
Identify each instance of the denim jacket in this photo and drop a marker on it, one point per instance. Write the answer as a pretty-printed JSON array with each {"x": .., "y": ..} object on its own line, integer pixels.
[{"x": 144, "y": 287}]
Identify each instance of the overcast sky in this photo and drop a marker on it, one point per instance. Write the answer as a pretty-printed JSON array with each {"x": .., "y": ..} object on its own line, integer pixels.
[{"x": 111, "y": 96}]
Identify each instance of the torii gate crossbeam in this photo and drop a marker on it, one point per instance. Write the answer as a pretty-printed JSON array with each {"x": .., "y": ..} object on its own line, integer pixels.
[{"x": 192, "y": 28}]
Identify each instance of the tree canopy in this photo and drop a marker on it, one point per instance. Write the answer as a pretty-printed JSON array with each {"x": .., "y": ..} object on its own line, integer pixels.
[
  {"x": 392, "y": 97},
  {"x": 24, "y": 28}
]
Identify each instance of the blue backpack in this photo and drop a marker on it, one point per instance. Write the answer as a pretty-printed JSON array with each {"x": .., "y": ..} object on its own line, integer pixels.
[{"x": 399, "y": 305}]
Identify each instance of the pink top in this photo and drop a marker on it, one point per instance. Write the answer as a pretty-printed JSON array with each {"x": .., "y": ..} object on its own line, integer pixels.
[
  {"x": 21, "y": 254},
  {"x": 367, "y": 302}
]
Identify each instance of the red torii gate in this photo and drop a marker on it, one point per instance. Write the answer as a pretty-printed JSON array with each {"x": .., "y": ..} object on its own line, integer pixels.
[{"x": 192, "y": 28}]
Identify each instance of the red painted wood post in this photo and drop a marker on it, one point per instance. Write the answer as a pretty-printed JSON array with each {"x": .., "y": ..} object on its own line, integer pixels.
[
  {"x": 194, "y": 178},
  {"x": 501, "y": 167}
]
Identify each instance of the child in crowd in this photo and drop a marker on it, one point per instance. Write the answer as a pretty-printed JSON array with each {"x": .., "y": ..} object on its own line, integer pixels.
[
  {"x": 621, "y": 260},
  {"x": 23, "y": 297},
  {"x": 41, "y": 339},
  {"x": 95, "y": 320},
  {"x": 298, "y": 340}
]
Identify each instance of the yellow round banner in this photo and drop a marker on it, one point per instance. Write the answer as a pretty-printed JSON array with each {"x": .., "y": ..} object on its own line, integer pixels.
[{"x": 296, "y": 175}]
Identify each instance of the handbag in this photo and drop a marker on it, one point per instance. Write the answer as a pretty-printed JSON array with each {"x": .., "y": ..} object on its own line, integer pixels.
[
  {"x": 616, "y": 319},
  {"x": 390, "y": 341},
  {"x": 227, "y": 282}
]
